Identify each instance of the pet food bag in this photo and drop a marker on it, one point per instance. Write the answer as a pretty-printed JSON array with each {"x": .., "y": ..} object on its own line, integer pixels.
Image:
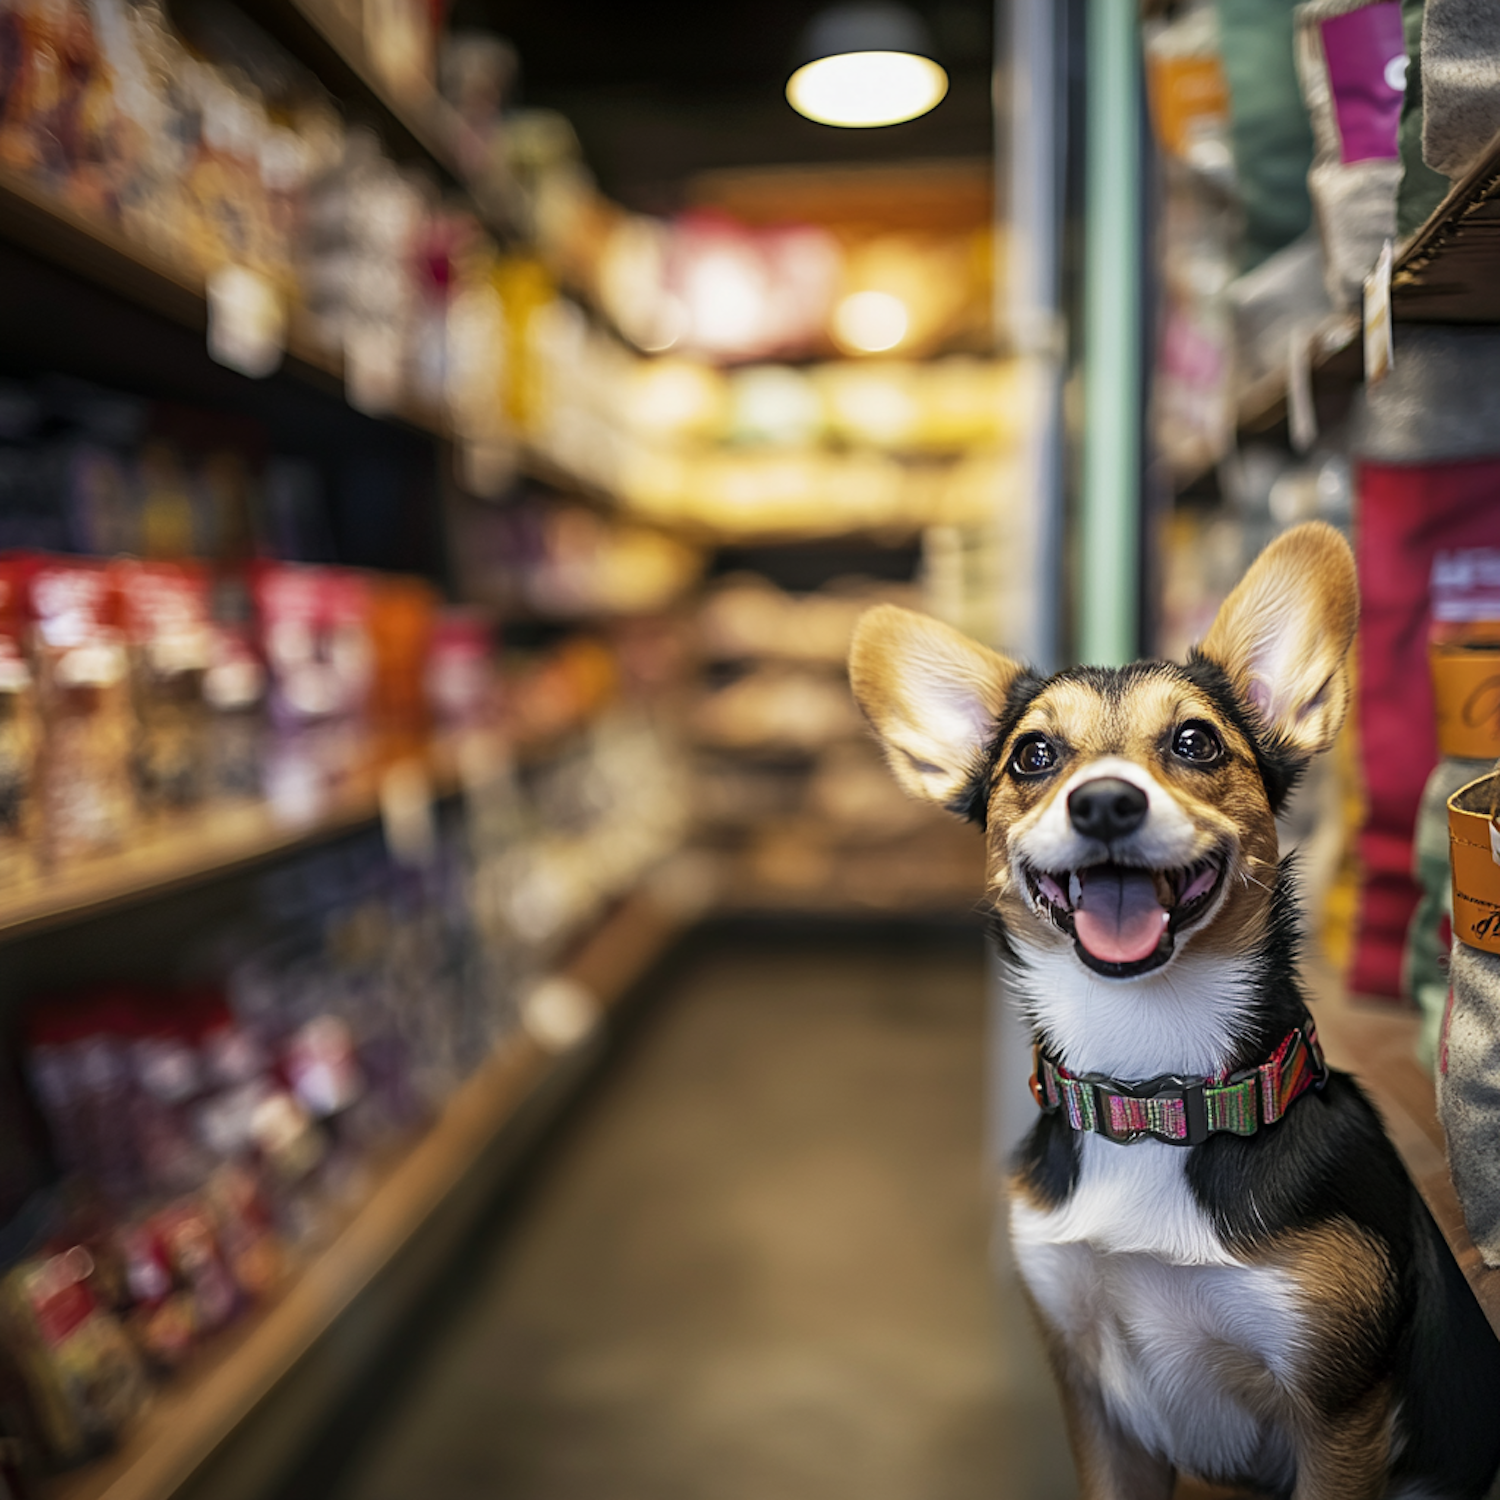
[
  {"x": 1426, "y": 441},
  {"x": 1351, "y": 61},
  {"x": 1464, "y": 657},
  {"x": 1460, "y": 104},
  {"x": 1468, "y": 1076}
]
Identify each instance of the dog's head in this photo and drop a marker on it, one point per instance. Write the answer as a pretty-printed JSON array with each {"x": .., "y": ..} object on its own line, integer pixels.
[{"x": 1129, "y": 811}]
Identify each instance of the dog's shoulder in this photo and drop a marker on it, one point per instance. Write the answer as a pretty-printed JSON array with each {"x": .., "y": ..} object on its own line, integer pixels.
[{"x": 1328, "y": 1160}]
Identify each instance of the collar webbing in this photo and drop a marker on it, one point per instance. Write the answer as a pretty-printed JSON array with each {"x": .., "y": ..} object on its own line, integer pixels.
[{"x": 1183, "y": 1111}]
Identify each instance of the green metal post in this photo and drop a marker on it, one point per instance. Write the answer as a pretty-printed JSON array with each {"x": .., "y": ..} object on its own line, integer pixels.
[{"x": 1109, "y": 513}]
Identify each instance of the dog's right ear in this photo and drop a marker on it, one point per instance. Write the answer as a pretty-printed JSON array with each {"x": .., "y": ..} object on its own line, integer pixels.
[{"x": 933, "y": 696}]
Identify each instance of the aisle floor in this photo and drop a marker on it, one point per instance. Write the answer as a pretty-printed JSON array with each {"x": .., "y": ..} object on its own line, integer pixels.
[{"x": 757, "y": 1264}]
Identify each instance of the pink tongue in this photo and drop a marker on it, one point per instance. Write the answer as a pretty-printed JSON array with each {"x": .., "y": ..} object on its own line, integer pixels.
[{"x": 1118, "y": 918}]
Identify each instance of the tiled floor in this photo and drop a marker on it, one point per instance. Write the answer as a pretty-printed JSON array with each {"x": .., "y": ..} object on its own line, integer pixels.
[{"x": 756, "y": 1267}]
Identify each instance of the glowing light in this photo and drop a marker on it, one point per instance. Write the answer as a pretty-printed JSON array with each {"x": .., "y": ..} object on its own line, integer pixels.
[
  {"x": 870, "y": 322},
  {"x": 862, "y": 89}
]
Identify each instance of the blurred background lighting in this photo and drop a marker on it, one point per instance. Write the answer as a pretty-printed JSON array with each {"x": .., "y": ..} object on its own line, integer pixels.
[
  {"x": 864, "y": 65},
  {"x": 725, "y": 295},
  {"x": 870, "y": 322}
]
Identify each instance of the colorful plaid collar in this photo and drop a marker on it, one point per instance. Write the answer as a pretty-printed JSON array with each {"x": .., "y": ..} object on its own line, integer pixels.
[{"x": 1183, "y": 1111}]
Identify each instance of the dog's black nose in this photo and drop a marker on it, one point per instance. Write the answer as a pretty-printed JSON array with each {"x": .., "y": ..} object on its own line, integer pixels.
[{"x": 1107, "y": 808}]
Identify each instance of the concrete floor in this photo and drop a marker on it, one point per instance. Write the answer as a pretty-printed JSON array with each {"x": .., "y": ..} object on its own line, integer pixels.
[{"x": 756, "y": 1266}]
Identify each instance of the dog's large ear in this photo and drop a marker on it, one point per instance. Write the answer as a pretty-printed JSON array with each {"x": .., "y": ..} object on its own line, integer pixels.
[
  {"x": 933, "y": 696},
  {"x": 1283, "y": 636}
]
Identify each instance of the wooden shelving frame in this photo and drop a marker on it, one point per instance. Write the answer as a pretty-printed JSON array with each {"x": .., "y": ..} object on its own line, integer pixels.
[{"x": 1449, "y": 270}]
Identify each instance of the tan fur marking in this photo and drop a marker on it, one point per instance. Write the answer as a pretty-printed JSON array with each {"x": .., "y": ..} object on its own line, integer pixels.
[
  {"x": 1283, "y": 635},
  {"x": 1342, "y": 1421}
]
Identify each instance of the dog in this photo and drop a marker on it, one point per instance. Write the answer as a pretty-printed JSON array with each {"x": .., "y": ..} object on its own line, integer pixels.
[{"x": 1234, "y": 1276}]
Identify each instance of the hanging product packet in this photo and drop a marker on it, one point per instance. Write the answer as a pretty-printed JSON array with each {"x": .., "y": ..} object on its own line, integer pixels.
[
  {"x": 1468, "y": 1074},
  {"x": 1351, "y": 63}
]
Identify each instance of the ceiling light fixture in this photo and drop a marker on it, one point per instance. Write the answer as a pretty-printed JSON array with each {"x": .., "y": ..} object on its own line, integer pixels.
[{"x": 865, "y": 65}]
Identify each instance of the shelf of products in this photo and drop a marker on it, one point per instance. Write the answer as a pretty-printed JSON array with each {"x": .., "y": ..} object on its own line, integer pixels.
[
  {"x": 38, "y": 221},
  {"x": 224, "y": 1380},
  {"x": 333, "y": 47},
  {"x": 223, "y": 840},
  {"x": 1445, "y": 272},
  {"x": 203, "y": 846},
  {"x": 1378, "y": 1044}
]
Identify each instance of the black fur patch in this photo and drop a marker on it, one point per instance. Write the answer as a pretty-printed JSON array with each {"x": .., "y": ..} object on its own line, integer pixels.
[
  {"x": 1279, "y": 765},
  {"x": 973, "y": 801}
]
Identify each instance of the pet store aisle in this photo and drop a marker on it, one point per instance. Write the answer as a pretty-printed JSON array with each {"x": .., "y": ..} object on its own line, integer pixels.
[{"x": 755, "y": 1265}]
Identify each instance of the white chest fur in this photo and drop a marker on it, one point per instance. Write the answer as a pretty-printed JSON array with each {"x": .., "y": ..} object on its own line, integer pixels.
[{"x": 1145, "y": 1295}]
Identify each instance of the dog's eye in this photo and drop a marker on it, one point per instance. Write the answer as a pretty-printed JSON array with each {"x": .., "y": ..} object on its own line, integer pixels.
[
  {"x": 1034, "y": 756},
  {"x": 1197, "y": 743}
]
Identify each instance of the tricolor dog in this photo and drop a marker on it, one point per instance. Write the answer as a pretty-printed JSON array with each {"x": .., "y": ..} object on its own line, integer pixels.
[{"x": 1233, "y": 1273}]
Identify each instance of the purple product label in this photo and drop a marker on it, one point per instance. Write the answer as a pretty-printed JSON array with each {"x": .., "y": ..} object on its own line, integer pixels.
[{"x": 1366, "y": 55}]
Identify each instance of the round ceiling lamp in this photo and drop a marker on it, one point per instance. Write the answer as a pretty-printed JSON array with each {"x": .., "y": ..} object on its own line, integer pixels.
[{"x": 866, "y": 65}]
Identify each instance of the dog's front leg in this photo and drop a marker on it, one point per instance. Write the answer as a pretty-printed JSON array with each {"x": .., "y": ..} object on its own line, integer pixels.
[
  {"x": 1111, "y": 1464},
  {"x": 1345, "y": 1455}
]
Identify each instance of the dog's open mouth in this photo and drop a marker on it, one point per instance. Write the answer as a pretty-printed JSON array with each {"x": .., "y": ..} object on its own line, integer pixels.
[{"x": 1123, "y": 919}]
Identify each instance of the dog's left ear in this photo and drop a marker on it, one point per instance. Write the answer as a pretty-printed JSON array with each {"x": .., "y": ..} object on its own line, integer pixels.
[
  {"x": 932, "y": 695},
  {"x": 1283, "y": 636}
]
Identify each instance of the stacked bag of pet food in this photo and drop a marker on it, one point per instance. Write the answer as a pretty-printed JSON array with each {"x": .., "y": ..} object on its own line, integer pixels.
[
  {"x": 1468, "y": 1072},
  {"x": 1464, "y": 656}
]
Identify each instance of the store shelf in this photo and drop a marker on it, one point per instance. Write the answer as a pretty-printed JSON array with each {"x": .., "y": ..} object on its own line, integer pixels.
[
  {"x": 191, "y": 849},
  {"x": 416, "y": 124},
  {"x": 40, "y": 222},
  {"x": 1449, "y": 270},
  {"x": 1377, "y": 1043},
  {"x": 224, "y": 840},
  {"x": 218, "y": 1388},
  {"x": 1261, "y": 409}
]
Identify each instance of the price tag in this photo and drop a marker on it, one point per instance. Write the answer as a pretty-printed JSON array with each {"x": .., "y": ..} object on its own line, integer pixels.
[
  {"x": 1301, "y": 413},
  {"x": 1380, "y": 344},
  {"x": 246, "y": 322}
]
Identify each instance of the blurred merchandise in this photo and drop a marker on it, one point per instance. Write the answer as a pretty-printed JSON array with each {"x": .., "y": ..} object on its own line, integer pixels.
[
  {"x": 789, "y": 789},
  {"x": 1351, "y": 61},
  {"x": 1464, "y": 657}
]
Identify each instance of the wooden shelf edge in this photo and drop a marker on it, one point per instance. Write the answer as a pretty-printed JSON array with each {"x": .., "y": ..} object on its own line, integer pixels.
[
  {"x": 1425, "y": 245},
  {"x": 1261, "y": 406},
  {"x": 229, "y": 840},
  {"x": 1377, "y": 1043},
  {"x": 217, "y": 1391},
  {"x": 219, "y": 842},
  {"x": 39, "y": 222}
]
